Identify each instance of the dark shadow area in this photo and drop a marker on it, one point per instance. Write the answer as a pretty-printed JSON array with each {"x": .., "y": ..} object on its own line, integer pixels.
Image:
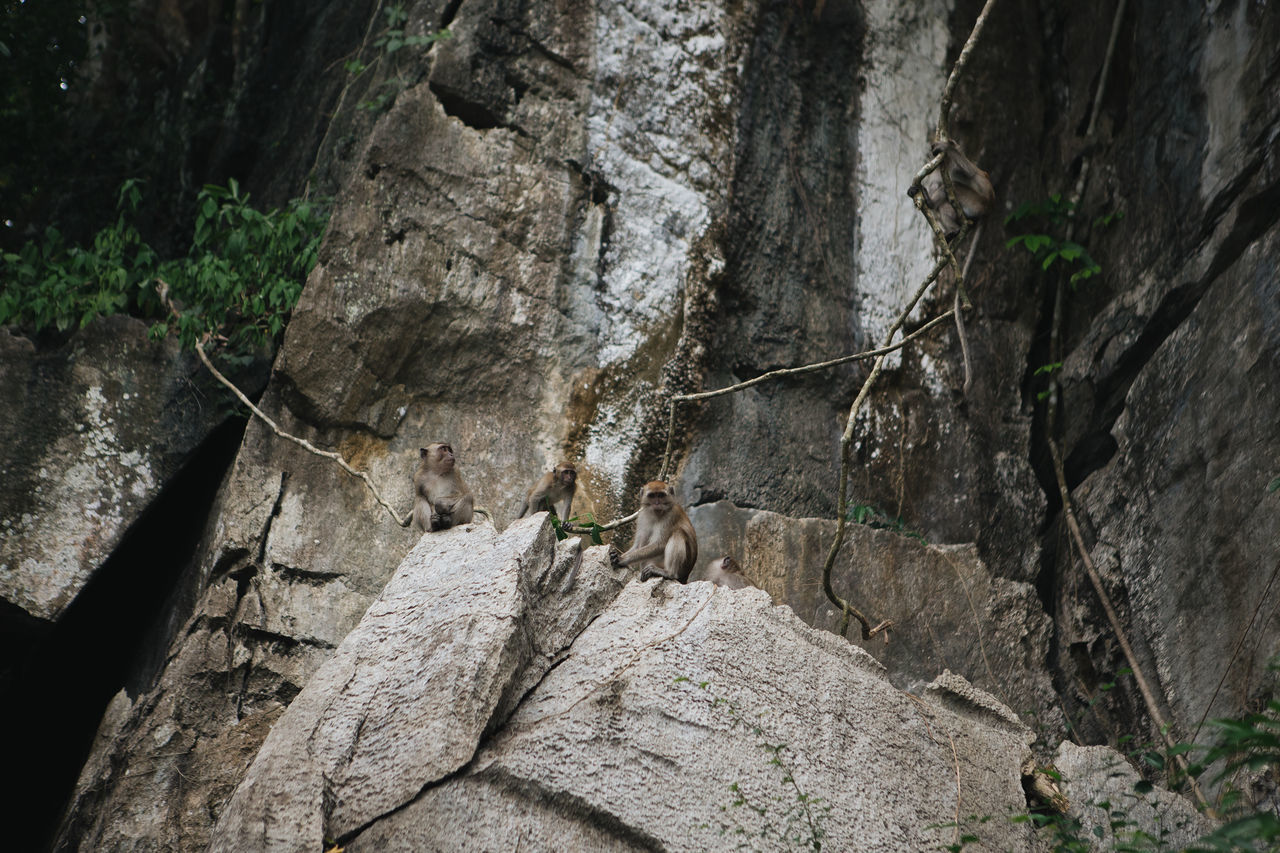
[{"x": 57, "y": 682}]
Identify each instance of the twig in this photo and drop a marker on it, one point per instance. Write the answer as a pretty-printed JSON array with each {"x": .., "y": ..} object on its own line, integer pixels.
[
  {"x": 957, "y": 309},
  {"x": 949, "y": 91},
  {"x": 600, "y": 528},
  {"x": 342, "y": 96},
  {"x": 1148, "y": 696},
  {"x": 1236, "y": 651},
  {"x": 162, "y": 288},
  {"x": 789, "y": 371}
]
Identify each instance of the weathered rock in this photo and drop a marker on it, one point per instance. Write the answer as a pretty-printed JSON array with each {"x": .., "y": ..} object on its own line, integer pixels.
[
  {"x": 1179, "y": 520},
  {"x": 686, "y": 717},
  {"x": 91, "y": 433},
  {"x": 1109, "y": 805},
  {"x": 947, "y": 608},
  {"x": 470, "y": 621}
]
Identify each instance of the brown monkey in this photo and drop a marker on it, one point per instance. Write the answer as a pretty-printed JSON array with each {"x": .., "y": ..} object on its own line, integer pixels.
[
  {"x": 441, "y": 500},
  {"x": 553, "y": 492},
  {"x": 972, "y": 185},
  {"x": 665, "y": 544},
  {"x": 726, "y": 572}
]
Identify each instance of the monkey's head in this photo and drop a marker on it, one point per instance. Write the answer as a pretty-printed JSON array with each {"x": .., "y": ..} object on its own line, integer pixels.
[
  {"x": 438, "y": 457},
  {"x": 566, "y": 475},
  {"x": 656, "y": 496},
  {"x": 728, "y": 564}
]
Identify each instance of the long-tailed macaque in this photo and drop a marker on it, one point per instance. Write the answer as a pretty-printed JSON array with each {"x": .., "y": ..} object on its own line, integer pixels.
[
  {"x": 665, "y": 544},
  {"x": 441, "y": 500},
  {"x": 553, "y": 492},
  {"x": 972, "y": 185},
  {"x": 726, "y": 572}
]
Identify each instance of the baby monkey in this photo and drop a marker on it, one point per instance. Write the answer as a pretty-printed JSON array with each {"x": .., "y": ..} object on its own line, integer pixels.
[
  {"x": 727, "y": 573},
  {"x": 665, "y": 544},
  {"x": 441, "y": 500},
  {"x": 553, "y": 492}
]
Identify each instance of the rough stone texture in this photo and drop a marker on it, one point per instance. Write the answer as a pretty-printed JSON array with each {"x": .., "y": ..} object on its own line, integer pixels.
[
  {"x": 91, "y": 432},
  {"x": 470, "y": 621},
  {"x": 948, "y": 610},
  {"x": 564, "y": 212},
  {"x": 672, "y": 697},
  {"x": 1172, "y": 382},
  {"x": 1101, "y": 788}
]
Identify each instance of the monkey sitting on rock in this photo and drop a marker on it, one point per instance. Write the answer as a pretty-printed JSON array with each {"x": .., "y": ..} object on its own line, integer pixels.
[
  {"x": 665, "y": 544},
  {"x": 441, "y": 499}
]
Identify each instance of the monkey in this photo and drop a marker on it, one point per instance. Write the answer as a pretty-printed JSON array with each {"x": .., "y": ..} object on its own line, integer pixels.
[
  {"x": 727, "y": 573},
  {"x": 554, "y": 491},
  {"x": 441, "y": 500},
  {"x": 972, "y": 185},
  {"x": 665, "y": 544}
]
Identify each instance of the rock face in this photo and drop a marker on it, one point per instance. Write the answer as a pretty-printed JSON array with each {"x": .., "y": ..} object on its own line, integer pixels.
[
  {"x": 949, "y": 611},
  {"x": 581, "y": 716},
  {"x": 91, "y": 433},
  {"x": 565, "y": 216},
  {"x": 1109, "y": 809}
]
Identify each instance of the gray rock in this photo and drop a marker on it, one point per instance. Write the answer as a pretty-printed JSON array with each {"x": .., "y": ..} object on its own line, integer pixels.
[
  {"x": 947, "y": 608},
  {"x": 1101, "y": 788},
  {"x": 90, "y": 433},
  {"x": 498, "y": 693},
  {"x": 470, "y": 621}
]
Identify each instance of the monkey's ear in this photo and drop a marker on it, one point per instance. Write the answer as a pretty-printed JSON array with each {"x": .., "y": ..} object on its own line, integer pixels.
[{"x": 422, "y": 453}]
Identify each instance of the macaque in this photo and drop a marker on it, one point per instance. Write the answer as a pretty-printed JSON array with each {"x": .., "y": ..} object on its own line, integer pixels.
[
  {"x": 972, "y": 185},
  {"x": 553, "y": 492},
  {"x": 441, "y": 500},
  {"x": 726, "y": 572},
  {"x": 665, "y": 544}
]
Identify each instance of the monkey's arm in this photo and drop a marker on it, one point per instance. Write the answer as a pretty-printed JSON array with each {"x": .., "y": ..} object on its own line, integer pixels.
[
  {"x": 565, "y": 506},
  {"x": 642, "y": 552}
]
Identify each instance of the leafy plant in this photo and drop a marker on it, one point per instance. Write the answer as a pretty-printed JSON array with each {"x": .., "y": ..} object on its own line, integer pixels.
[
  {"x": 588, "y": 521},
  {"x": 239, "y": 281},
  {"x": 389, "y": 42},
  {"x": 1048, "y": 216},
  {"x": 873, "y": 516}
]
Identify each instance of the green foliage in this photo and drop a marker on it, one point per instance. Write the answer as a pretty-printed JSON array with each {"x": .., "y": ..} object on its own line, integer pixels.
[
  {"x": 389, "y": 42},
  {"x": 240, "y": 279},
  {"x": 873, "y": 516},
  {"x": 588, "y": 521},
  {"x": 1046, "y": 370},
  {"x": 1050, "y": 216},
  {"x": 1275, "y": 485}
]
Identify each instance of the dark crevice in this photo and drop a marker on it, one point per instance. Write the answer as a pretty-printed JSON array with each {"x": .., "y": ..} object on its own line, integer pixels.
[
  {"x": 56, "y": 694},
  {"x": 472, "y": 114},
  {"x": 450, "y": 12}
]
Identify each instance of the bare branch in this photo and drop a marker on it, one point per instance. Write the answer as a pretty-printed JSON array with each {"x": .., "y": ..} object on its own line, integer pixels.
[
  {"x": 949, "y": 91},
  {"x": 162, "y": 289},
  {"x": 1117, "y": 627}
]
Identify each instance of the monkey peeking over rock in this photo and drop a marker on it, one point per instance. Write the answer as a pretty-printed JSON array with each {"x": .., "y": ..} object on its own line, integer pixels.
[
  {"x": 553, "y": 492},
  {"x": 441, "y": 500},
  {"x": 727, "y": 573},
  {"x": 665, "y": 544}
]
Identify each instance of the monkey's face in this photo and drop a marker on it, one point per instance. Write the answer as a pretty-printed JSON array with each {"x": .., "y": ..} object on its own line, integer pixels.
[
  {"x": 441, "y": 456},
  {"x": 728, "y": 564},
  {"x": 566, "y": 476},
  {"x": 656, "y": 496}
]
